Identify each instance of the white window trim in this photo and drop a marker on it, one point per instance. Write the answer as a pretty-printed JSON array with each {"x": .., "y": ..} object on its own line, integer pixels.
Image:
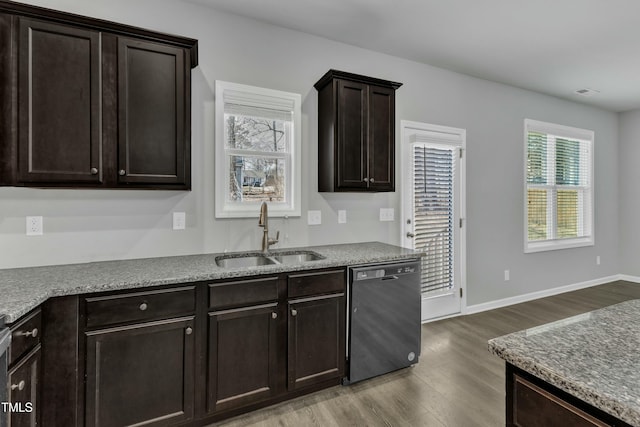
[
  {"x": 260, "y": 97},
  {"x": 568, "y": 132}
]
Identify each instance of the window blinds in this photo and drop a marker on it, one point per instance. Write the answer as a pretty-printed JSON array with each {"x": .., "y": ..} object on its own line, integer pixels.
[
  {"x": 559, "y": 187},
  {"x": 433, "y": 214}
]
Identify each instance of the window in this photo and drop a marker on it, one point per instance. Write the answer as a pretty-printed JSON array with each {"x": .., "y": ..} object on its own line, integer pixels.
[
  {"x": 559, "y": 186},
  {"x": 257, "y": 151}
]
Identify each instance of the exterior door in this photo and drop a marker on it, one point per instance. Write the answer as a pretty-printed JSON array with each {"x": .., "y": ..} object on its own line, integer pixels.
[{"x": 433, "y": 206}]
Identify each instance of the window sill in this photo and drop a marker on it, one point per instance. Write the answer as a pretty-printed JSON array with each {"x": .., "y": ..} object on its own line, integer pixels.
[{"x": 552, "y": 245}]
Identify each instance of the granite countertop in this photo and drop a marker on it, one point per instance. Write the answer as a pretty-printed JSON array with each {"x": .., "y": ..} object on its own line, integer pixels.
[
  {"x": 23, "y": 289},
  {"x": 593, "y": 356}
]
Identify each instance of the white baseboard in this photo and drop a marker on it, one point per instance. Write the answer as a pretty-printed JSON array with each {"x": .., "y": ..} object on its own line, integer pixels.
[
  {"x": 477, "y": 308},
  {"x": 627, "y": 278}
]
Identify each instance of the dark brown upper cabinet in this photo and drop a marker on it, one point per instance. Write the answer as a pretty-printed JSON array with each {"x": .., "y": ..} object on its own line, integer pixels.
[
  {"x": 356, "y": 133},
  {"x": 91, "y": 103}
]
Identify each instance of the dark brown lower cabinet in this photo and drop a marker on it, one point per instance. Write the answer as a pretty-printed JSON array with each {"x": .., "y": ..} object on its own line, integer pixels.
[
  {"x": 316, "y": 344},
  {"x": 141, "y": 374},
  {"x": 242, "y": 362},
  {"x": 531, "y": 402},
  {"x": 23, "y": 386},
  {"x": 186, "y": 355}
]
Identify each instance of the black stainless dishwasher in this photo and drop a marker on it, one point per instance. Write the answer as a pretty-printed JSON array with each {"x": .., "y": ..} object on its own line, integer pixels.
[{"x": 383, "y": 319}]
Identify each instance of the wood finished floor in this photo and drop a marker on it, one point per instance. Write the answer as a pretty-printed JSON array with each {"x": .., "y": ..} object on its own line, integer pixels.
[{"x": 457, "y": 382}]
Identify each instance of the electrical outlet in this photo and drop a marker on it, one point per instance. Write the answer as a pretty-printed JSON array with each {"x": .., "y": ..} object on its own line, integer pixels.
[
  {"x": 34, "y": 226},
  {"x": 506, "y": 275},
  {"x": 386, "y": 214},
  {"x": 342, "y": 217},
  {"x": 179, "y": 220},
  {"x": 314, "y": 217}
]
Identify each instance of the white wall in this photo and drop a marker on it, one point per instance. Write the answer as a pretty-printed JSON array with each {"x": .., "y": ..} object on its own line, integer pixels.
[{"x": 86, "y": 225}]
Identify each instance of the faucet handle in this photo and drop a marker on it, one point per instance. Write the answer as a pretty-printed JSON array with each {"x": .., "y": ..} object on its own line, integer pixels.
[{"x": 274, "y": 241}]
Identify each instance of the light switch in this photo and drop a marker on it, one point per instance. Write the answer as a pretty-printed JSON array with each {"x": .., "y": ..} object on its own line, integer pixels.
[
  {"x": 179, "y": 220},
  {"x": 342, "y": 217},
  {"x": 386, "y": 214}
]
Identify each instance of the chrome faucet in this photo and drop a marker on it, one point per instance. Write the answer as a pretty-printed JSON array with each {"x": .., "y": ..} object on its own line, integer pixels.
[{"x": 263, "y": 221}]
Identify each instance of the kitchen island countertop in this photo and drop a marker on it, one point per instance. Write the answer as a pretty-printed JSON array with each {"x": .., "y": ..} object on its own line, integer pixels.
[
  {"x": 23, "y": 289},
  {"x": 594, "y": 356}
]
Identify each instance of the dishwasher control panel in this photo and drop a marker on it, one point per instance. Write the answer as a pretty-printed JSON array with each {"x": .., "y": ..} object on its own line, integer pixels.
[{"x": 367, "y": 274}]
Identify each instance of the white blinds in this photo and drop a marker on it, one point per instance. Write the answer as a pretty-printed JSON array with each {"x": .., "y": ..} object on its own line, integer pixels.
[
  {"x": 558, "y": 184},
  {"x": 258, "y": 105},
  {"x": 433, "y": 212}
]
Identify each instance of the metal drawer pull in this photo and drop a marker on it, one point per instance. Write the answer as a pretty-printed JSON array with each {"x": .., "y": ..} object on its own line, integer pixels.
[
  {"x": 32, "y": 333},
  {"x": 274, "y": 315},
  {"x": 294, "y": 312},
  {"x": 372, "y": 180},
  {"x": 143, "y": 306},
  {"x": 94, "y": 171},
  {"x": 189, "y": 330},
  {"x": 410, "y": 234},
  {"x": 365, "y": 179},
  {"x": 122, "y": 172},
  {"x": 19, "y": 386}
]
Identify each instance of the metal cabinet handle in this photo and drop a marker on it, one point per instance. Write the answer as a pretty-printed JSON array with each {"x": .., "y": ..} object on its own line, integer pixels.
[
  {"x": 94, "y": 171},
  {"x": 31, "y": 333},
  {"x": 371, "y": 180},
  {"x": 294, "y": 312},
  {"x": 365, "y": 179},
  {"x": 122, "y": 172},
  {"x": 410, "y": 234},
  {"x": 143, "y": 306},
  {"x": 19, "y": 386},
  {"x": 274, "y": 315},
  {"x": 189, "y": 330}
]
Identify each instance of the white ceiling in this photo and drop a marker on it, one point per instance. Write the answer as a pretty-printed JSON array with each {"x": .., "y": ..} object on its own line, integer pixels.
[{"x": 549, "y": 46}]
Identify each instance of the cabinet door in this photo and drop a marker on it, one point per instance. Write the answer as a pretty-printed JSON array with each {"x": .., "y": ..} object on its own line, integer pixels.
[
  {"x": 140, "y": 374},
  {"x": 59, "y": 104},
  {"x": 153, "y": 120},
  {"x": 351, "y": 147},
  {"x": 381, "y": 147},
  {"x": 316, "y": 340},
  {"x": 242, "y": 365},
  {"x": 24, "y": 385}
]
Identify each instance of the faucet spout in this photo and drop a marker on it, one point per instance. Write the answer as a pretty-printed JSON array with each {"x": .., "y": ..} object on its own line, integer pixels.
[
  {"x": 263, "y": 221},
  {"x": 264, "y": 216}
]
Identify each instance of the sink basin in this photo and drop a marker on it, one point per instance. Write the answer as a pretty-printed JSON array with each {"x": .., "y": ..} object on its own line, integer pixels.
[
  {"x": 258, "y": 259},
  {"x": 297, "y": 257},
  {"x": 235, "y": 261}
]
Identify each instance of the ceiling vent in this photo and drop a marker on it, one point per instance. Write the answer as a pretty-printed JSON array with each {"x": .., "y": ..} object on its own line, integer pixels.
[{"x": 587, "y": 92}]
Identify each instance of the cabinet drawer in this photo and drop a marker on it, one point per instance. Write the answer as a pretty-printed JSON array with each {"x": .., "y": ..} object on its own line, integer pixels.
[
  {"x": 534, "y": 406},
  {"x": 25, "y": 335},
  {"x": 242, "y": 293},
  {"x": 140, "y": 306},
  {"x": 324, "y": 282}
]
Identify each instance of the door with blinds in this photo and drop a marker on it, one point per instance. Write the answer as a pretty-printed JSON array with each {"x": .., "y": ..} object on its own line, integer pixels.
[{"x": 433, "y": 206}]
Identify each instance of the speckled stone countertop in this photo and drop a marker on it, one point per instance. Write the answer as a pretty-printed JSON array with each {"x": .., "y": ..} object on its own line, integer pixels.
[
  {"x": 23, "y": 289},
  {"x": 594, "y": 356}
]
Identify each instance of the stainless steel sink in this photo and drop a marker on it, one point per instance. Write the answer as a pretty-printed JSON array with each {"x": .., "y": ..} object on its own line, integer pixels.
[
  {"x": 258, "y": 259},
  {"x": 297, "y": 257},
  {"x": 235, "y": 261}
]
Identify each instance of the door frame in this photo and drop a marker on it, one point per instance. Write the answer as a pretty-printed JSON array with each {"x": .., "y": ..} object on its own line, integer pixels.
[{"x": 446, "y": 135}]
